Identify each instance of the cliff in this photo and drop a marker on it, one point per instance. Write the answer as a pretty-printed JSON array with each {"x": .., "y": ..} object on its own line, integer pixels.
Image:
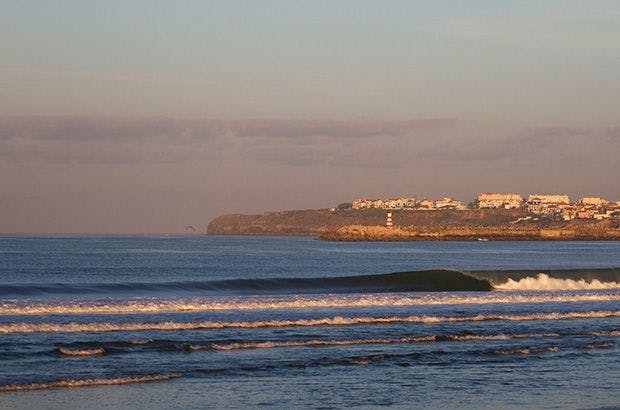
[
  {"x": 320, "y": 221},
  {"x": 368, "y": 225}
]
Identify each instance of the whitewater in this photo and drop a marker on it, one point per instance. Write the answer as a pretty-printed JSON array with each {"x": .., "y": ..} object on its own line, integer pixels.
[{"x": 289, "y": 321}]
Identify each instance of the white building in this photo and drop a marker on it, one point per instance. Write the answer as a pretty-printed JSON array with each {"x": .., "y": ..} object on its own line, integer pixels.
[
  {"x": 399, "y": 203},
  {"x": 594, "y": 201},
  {"x": 495, "y": 200},
  {"x": 547, "y": 204},
  {"x": 367, "y": 203},
  {"x": 449, "y": 203},
  {"x": 392, "y": 203},
  {"x": 425, "y": 204}
]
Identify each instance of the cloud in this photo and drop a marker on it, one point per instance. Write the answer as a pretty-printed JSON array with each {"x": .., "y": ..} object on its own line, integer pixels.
[
  {"x": 110, "y": 128},
  {"x": 356, "y": 128},
  {"x": 529, "y": 145},
  {"x": 612, "y": 134},
  {"x": 81, "y": 128},
  {"x": 363, "y": 143},
  {"x": 119, "y": 140}
]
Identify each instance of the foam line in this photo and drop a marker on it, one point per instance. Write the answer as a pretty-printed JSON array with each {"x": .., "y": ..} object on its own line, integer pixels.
[
  {"x": 87, "y": 382},
  {"x": 296, "y": 302},
  {"x": 379, "y": 341},
  {"x": 24, "y": 327},
  {"x": 545, "y": 282},
  {"x": 82, "y": 352}
]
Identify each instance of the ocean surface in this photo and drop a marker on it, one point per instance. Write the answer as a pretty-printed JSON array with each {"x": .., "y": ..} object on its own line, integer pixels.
[{"x": 218, "y": 322}]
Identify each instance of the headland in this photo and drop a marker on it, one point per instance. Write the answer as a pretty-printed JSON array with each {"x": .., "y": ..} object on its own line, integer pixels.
[{"x": 347, "y": 224}]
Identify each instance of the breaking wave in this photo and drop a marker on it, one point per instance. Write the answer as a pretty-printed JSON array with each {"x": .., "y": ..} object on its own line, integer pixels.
[
  {"x": 437, "y": 280},
  {"x": 549, "y": 279},
  {"x": 149, "y": 305},
  {"x": 24, "y": 327},
  {"x": 87, "y": 382},
  {"x": 545, "y": 282}
]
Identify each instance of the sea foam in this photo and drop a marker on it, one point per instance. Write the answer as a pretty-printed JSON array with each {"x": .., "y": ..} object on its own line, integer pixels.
[
  {"x": 372, "y": 341},
  {"x": 204, "y": 304},
  {"x": 25, "y": 327},
  {"x": 87, "y": 382},
  {"x": 81, "y": 352},
  {"x": 546, "y": 282}
]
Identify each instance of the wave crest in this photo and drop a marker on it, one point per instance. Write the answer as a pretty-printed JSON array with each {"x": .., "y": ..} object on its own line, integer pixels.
[
  {"x": 87, "y": 382},
  {"x": 377, "y": 341},
  {"x": 546, "y": 282},
  {"x": 328, "y": 321},
  {"x": 292, "y": 302},
  {"x": 82, "y": 352},
  {"x": 526, "y": 351}
]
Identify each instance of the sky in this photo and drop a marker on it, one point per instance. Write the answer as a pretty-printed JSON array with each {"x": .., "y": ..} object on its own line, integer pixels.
[{"x": 148, "y": 116}]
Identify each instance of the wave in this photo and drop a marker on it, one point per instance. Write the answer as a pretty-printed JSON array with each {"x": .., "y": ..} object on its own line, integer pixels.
[
  {"x": 372, "y": 341},
  {"x": 545, "y": 282},
  {"x": 311, "y": 343},
  {"x": 526, "y": 351},
  {"x": 8, "y": 328},
  {"x": 613, "y": 333},
  {"x": 87, "y": 382},
  {"x": 425, "y": 281},
  {"x": 177, "y": 305},
  {"x": 550, "y": 279},
  {"x": 436, "y": 280},
  {"x": 129, "y": 346},
  {"x": 82, "y": 352},
  {"x": 599, "y": 345},
  {"x": 121, "y": 346}
]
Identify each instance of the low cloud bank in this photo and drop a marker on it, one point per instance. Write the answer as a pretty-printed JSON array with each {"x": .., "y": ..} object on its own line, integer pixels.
[{"x": 363, "y": 142}]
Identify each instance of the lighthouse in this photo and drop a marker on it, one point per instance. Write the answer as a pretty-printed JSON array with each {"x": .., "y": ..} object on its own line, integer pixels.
[{"x": 388, "y": 221}]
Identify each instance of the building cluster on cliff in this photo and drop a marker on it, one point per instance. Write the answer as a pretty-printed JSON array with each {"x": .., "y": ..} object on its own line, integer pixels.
[
  {"x": 409, "y": 204},
  {"x": 548, "y": 206}
]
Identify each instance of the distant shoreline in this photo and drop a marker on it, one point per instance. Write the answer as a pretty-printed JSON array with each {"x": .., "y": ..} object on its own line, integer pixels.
[{"x": 444, "y": 225}]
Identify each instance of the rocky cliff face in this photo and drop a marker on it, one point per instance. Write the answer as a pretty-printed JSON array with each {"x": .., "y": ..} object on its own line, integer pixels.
[
  {"x": 577, "y": 230},
  {"x": 319, "y": 221}
]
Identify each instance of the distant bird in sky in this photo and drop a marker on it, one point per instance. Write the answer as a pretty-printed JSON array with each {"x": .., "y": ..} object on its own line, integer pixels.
[{"x": 190, "y": 228}]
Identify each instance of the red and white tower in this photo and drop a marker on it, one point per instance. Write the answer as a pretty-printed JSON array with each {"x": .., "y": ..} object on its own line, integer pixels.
[{"x": 388, "y": 221}]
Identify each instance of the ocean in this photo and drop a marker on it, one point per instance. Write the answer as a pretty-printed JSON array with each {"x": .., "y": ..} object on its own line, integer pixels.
[{"x": 292, "y": 322}]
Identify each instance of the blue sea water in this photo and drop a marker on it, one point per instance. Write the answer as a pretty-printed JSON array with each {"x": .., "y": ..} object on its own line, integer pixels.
[{"x": 209, "y": 321}]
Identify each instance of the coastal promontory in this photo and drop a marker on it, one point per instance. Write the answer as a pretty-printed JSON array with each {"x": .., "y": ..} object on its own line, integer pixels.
[{"x": 369, "y": 225}]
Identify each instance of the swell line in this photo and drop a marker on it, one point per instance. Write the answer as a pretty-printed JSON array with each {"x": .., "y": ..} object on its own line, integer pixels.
[
  {"x": 8, "y": 328},
  {"x": 132, "y": 346},
  {"x": 425, "y": 280},
  {"x": 432, "y": 280}
]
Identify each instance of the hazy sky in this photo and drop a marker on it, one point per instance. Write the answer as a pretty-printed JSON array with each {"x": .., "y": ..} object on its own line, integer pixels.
[{"x": 146, "y": 116}]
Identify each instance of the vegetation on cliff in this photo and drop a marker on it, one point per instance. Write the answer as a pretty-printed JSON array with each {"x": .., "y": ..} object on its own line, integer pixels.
[
  {"x": 319, "y": 221},
  {"x": 343, "y": 224}
]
